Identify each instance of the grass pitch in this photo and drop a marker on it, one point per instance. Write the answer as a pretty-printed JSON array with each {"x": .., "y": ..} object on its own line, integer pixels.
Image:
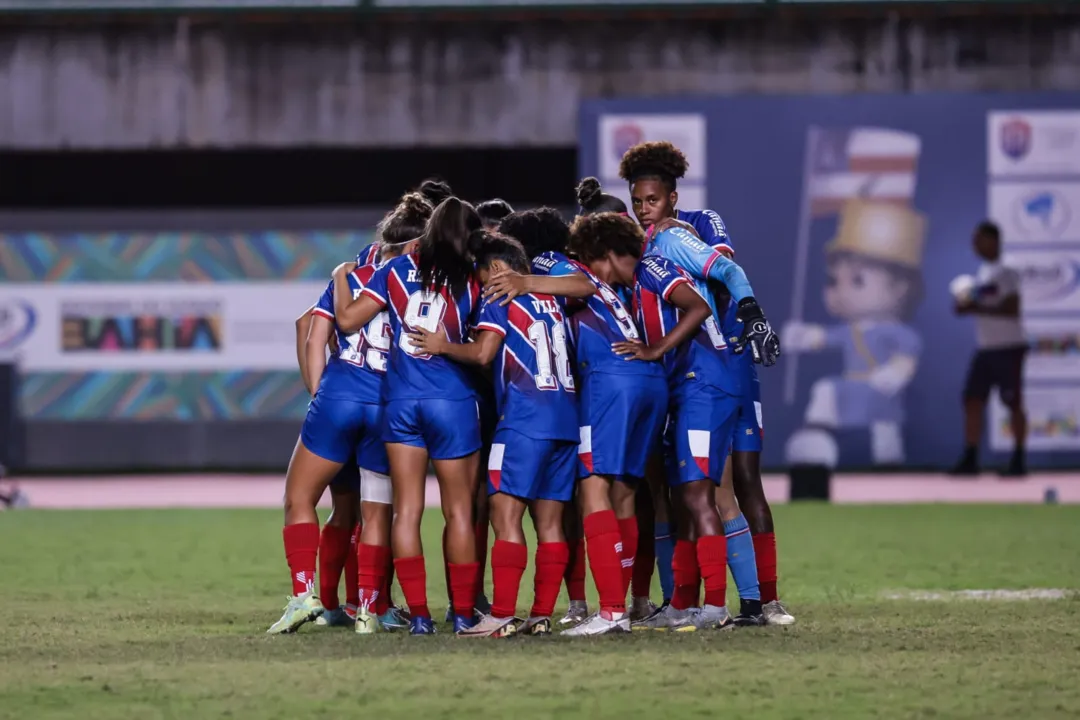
[{"x": 162, "y": 614}]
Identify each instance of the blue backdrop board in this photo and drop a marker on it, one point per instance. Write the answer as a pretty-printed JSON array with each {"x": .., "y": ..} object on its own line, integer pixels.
[{"x": 852, "y": 215}]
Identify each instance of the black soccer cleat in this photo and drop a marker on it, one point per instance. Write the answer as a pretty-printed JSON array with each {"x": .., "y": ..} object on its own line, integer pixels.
[{"x": 750, "y": 614}]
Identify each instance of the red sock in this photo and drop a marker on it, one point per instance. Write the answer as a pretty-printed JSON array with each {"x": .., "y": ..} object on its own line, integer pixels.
[
  {"x": 481, "y": 531},
  {"x": 352, "y": 582},
  {"x": 602, "y": 541},
  {"x": 575, "y": 570},
  {"x": 333, "y": 547},
  {"x": 551, "y": 560},
  {"x": 765, "y": 554},
  {"x": 508, "y": 561},
  {"x": 382, "y": 603},
  {"x": 712, "y": 558},
  {"x": 463, "y": 584},
  {"x": 371, "y": 560},
  {"x": 413, "y": 578},
  {"x": 684, "y": 566},
  {"x": 629, "y": 533},
  {"x": 644, "y": 565},
  {"x": 301, "y": 550}
]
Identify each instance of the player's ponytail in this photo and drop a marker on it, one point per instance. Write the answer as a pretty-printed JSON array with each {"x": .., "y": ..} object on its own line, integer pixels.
[
  {"x": 403, "y": 224},
  {"x": 444, "y": 257},
  {"x": 592, "y": 199}
]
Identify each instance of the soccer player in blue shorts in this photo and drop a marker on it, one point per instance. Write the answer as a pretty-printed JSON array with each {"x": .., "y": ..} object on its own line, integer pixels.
[
  {"x": 653, "y": 169},
  {"x": 430, "y": 404},
  {"x": 342, "y": 426},
  {"x": 534, "y": 454},
  {"x": 620, "y": 415},
  {"x": 677, "y": 326}
]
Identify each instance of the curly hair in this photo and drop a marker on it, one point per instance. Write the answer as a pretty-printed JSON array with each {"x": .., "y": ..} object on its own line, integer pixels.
[
  {"x": 489, "y": 246},
  {"x": 658, "y": 159},
  {"x": 539, "y": 231},
  {"x": 592, "y": 199},
  {"x": 593, "y": 236},
  {"x": 405, "y": 222}
]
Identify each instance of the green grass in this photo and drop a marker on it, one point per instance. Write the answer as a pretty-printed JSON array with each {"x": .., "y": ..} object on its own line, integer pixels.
[{"x": 161, "y": 614}]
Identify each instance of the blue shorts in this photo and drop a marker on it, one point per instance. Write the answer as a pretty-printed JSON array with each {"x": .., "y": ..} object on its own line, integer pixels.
[
  {"x": 347, "y": 479},
  {"x": 448, "y": 429},
  {"x": 701, "y": 426},
  {"x": 621, "y": 419},
  {"x": 344, "y": 431},
  {"x": 748, "y": 428},
  {"x": 531, "y": 469}
]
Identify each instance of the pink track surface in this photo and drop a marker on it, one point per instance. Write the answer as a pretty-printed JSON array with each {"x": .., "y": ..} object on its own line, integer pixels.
[{"x": 265, "y": 491}]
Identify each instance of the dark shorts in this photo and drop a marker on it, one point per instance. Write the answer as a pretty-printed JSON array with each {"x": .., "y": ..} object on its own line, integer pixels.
[{"x": 1001, "y": 368}]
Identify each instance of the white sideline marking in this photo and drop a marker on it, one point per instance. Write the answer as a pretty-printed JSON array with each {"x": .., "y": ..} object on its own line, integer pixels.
[{"x": 994, "y": 595}]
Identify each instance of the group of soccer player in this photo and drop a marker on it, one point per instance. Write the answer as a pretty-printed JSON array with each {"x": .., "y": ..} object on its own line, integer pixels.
[{"x": 599, "y": 376}]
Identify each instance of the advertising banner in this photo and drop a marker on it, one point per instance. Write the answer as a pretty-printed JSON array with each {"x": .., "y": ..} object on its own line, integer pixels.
[
  {"x": 162, "y": 326},
  {"x": 141, "y": 327},
  {"x": 851, "y": 216}
]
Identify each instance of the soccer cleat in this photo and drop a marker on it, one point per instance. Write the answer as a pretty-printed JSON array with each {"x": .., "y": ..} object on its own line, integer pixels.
[
  {"x": 367, "y": 623},
  {"x": 492, "y": 627},
  {"x": 578, "y": 611},
  {"x": 600, "y": 623},
  {"x": 708, "y": 617},
  {"x": 776, "y": 614},
  {"x": 463, "y": 623},
  {"x": 483, "y": 607},
  {"x": 394, "y": 619},
  {"x": 301, "y": 609},
  {"x": 338, "y": 617},
  {"x": 749, "y": 614},
  {"x": 421, "y": 626},
  {"x": 663, "y": 619},
  {"x": 535, "y": 626},
  {"x": 641, "y": 608}
]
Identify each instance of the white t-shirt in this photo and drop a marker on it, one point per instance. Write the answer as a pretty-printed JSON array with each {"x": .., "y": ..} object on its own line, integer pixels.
[{"x": 993, "y": 284}]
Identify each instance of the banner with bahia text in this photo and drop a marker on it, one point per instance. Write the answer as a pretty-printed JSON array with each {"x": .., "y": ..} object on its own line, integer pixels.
[
  {"x": 852, "y": 216},
  {"x": 190, "y": 327}
]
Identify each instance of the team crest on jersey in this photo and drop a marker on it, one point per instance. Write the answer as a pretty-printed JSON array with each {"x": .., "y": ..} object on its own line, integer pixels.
[
  {"x": 626, "y": 137},
  {"x": 1016, "y": 138}
]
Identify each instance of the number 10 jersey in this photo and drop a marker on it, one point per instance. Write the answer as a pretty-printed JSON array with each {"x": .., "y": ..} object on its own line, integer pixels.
[
  {"x": 412, "y": 374},
  {"x": 534, "y": 382}
]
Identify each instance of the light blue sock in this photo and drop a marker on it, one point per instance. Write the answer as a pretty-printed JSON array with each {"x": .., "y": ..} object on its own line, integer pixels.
[
  {"x": 740, "y": 558},
  {"x": 665, "y": 551}
]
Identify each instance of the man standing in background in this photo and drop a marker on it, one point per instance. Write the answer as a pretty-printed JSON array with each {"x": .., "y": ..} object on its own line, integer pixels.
[{"x": 993, "y": 297}]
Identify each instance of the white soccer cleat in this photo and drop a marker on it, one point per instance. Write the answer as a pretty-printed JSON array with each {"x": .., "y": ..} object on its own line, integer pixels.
[
  {"x": 366, "y": 622},
  {"x": 301, "y": 609},
  {"x": 776, "y": 614},
  {"x": 600, "y": 623},
  {"x": 708, "y": 617}
]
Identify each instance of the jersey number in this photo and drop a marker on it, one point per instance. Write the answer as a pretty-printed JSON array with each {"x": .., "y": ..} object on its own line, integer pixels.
[
  {"x": 545, "y": 347},
  {"x": 379, "y": 336},
  {"x": 629, "y": 330},
  {"x": 425, "y": 309}
]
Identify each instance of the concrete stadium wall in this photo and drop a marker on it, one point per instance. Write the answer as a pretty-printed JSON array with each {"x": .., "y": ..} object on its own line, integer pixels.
[{"x": 375, "y": 82}]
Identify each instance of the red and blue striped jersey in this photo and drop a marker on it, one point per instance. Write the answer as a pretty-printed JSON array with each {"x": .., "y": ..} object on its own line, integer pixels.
[
  {"x": 356, "y": 372},
  {"x": 601, "y": 321},
  {"x": 705, "y": 357},
  {"x": 413, "y": 374},
  {"x": 534, "y": 382},
  {"x": 369, "y": 255}
]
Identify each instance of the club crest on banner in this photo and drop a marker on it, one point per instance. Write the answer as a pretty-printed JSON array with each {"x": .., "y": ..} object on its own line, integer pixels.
[{"x": 1016, "y": 138}]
